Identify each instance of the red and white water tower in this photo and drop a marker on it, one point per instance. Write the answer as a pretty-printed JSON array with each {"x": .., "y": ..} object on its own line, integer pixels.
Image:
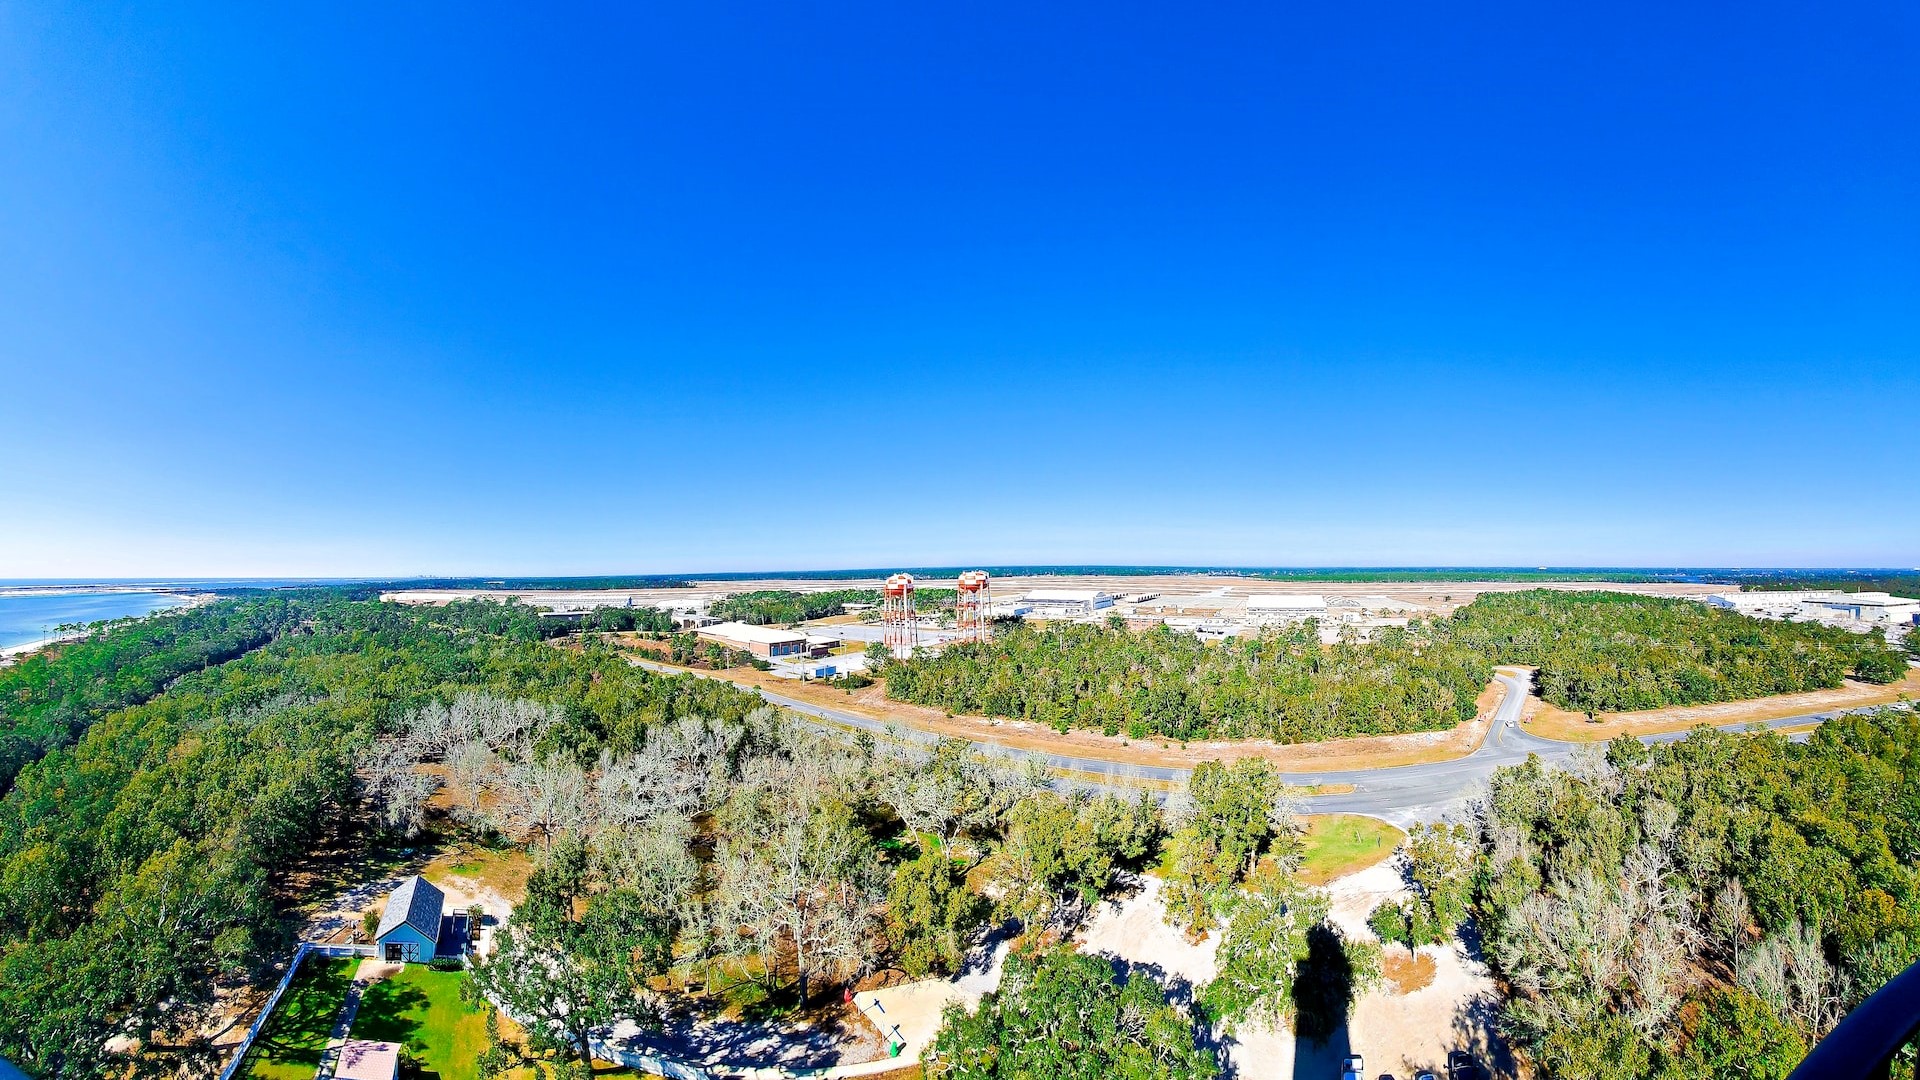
[
  {"x": 896, "y": 615},
  {"x": 973, "y": 606}
]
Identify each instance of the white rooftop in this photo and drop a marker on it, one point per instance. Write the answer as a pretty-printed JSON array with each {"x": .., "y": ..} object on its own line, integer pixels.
[
  {"x": 361, "y": 1059},
  {"x": 1285, "y": 602},
  {"x": 765, "y": 635},
  {"x": 1873, "y": 599},
  {"x": 1064, "y": 596}
]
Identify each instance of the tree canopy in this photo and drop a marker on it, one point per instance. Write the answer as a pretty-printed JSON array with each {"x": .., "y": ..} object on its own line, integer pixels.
[
  {"x": 1707, "y": 907},
  {"x": 1061, "y": 1015},
  {"x": 1595, "y": 651}
]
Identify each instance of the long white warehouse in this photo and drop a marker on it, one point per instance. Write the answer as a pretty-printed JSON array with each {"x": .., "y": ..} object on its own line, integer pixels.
[{"x": 1066, "y": 603}]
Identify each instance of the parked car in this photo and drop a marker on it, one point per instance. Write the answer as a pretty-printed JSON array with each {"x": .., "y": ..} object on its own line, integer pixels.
[
  {"x": 1353, "y": 1068},
  {"x": 1461, "y": 1066},
  {"x": 1425, "y": 1074}
]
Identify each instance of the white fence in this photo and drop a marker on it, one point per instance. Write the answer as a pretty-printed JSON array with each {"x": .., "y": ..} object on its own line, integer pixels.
[{"x": 652, "y": 1064}]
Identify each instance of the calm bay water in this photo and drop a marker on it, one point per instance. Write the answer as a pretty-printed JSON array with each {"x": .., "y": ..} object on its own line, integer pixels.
[{"x": 26, "y": 619}]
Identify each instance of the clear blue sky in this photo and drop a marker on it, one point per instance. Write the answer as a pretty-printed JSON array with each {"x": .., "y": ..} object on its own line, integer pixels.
[{"x": 708, "y": 286}]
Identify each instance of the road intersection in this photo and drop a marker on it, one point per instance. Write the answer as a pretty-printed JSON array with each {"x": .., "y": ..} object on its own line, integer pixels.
[{"x": 1401, "y": 794}]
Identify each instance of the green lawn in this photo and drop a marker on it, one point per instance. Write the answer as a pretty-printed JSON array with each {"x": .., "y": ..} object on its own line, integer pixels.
[
  {"x": 289, "y": 1047},
  {"x": 1340, "y": 844},
  {"x": 420, "y": 1008}
]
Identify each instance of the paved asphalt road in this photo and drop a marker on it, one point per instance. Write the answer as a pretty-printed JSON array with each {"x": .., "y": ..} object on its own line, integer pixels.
[{"x": 1401, "y": 794}]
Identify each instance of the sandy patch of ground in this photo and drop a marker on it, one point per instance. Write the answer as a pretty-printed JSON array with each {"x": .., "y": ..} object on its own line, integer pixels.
[
  {"x": 1353, "y": 898},
  {"x": 372, "y": 971},
  {"x": 909, "y": 1015},
  {"x": 1363, "y": 752},
  {"x": 1396, "y": 1032},
  {"x": 1404, "y": 1033},
  {"x": 1551, "y": 722},
  {"x": 1132, "y": 931},
  {"x": 469, "y": 875},
  {"x": 863, "y": 1030},
  {"x": 493, "y": 879}
]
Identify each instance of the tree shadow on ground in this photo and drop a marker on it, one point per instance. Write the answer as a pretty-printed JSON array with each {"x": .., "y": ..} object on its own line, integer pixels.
[
  {"x": 1323, "y": 993},
  {"x": 298, "y": 1030},
  {"x": 1476, "y": 1030},
  {"x": 815, "y": 1038},
  {"x": 384, "y": 1006},
  {"x": 1476, "y": 1025},
  {"x": 1178, "y": 990}
]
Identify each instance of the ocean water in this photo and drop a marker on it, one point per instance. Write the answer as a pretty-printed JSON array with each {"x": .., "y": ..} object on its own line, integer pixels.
[{"x": 25, "y": 619}]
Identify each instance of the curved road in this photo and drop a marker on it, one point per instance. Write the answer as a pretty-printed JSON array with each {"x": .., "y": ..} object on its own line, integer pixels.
[{"x": 1401, "y": 794}]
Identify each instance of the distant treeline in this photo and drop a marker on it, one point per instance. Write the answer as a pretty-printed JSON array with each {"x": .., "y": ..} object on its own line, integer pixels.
[
  {"x": 1597, "y": 651},
  {"x": 1900, "y": 584},
  {"x": 530, "y": 584},
  {"x": 785, "y": 606},
  {"x": 1469, "y": 573}
]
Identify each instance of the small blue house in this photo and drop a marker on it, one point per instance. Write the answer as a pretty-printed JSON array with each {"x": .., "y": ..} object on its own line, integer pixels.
[{"x": 410, "y": 928}]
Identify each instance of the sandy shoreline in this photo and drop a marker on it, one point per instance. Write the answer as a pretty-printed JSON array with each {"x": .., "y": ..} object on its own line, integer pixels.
[{"x": 12, "y": 653}]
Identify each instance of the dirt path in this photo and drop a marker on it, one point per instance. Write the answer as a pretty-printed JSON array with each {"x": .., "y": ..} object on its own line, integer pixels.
[{"x": 1551, "y": 722}]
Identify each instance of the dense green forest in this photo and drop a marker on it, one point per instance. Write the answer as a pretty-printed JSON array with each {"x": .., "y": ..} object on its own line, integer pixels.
[
  {"x": 141, "y": 866},
  {"x": 48, "y": 698},
  {"x": 1595, "y": 651},
  {"x": 1282, "y": 685},
  {"x": 1616, "y": 652},
  {"x": 1706, "y": 908},
  {"x": 682, "y": 829},
  {"x": 1060, "y": 1014},
  {"x": 786, "y": 606}
]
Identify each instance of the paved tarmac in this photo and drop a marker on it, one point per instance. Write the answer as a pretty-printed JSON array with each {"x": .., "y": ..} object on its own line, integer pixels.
[{"x": 1402, "y": 794}]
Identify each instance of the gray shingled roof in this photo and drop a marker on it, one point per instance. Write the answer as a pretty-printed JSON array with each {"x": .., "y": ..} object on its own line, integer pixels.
[{"x": 416, "y": 903}]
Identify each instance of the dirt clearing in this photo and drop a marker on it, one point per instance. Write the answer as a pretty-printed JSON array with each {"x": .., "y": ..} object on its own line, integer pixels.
[
  {"x": 1551, "y": 722},
  {"x": 1407, "y": 973}
]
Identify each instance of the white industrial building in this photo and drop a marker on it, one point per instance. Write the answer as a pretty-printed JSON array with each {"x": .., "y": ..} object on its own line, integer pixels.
[
  {"x": 1774, "y": 605},
  {"x": 1855, "y": 611},
  {"x": 1874, "y": 608},
  {"x": 1270, "y": 608},
  {"x": 1065, "y": 603}
]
